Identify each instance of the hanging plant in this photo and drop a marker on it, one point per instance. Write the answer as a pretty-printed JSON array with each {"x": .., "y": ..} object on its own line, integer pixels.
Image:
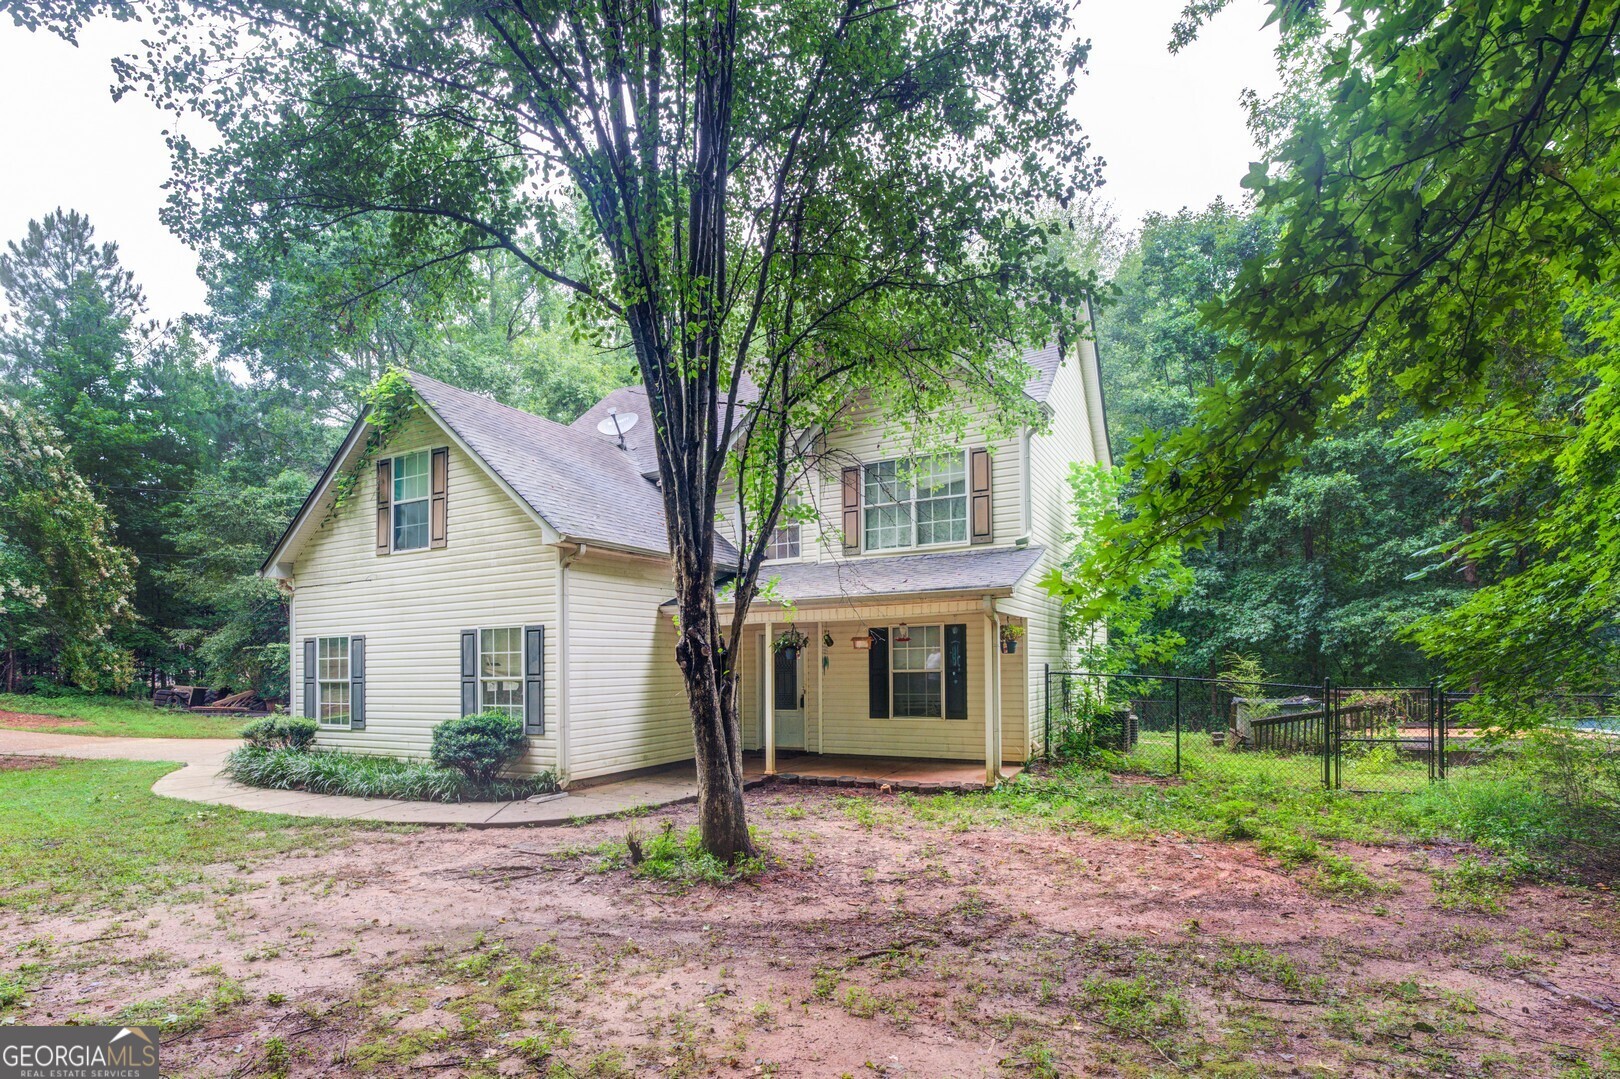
[
  {"x": 392, "y": 402},
  {"x": 789, "y": 642},
  {"x": 1009, "y": 638}
]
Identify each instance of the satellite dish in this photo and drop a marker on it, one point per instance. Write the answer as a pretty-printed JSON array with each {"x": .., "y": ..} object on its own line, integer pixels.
[{"x": 616, "y": 425}]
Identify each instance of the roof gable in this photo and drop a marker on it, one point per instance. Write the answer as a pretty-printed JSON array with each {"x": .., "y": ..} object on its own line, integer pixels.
[
  {"x": 583, "y": 486},
  {"x": 578, "y": 487}
]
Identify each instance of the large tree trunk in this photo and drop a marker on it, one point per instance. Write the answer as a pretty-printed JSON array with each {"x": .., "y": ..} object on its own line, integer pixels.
[{"x": 711, "y": 690}]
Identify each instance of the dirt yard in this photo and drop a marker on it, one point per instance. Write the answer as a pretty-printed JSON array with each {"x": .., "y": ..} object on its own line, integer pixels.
[
  {"x": 23, "y": 721},
  {"x": 874, "y": 944}
]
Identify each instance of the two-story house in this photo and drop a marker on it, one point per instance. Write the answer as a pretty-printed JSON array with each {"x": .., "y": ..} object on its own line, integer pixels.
[{"x": 485, "y": 558}]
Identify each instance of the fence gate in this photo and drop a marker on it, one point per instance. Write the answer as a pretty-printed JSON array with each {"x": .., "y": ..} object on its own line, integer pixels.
[{"x": 1386, "y": 738}]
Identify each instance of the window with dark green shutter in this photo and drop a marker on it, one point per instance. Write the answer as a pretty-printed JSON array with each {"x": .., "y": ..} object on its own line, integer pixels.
[{"x": 919, "y": 672}]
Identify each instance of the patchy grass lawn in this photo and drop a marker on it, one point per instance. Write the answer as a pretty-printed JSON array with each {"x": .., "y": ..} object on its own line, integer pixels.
[
  {"x": 91, "y": 835},
  {"x": 1067, "y": 924},
  {"x": 111, "y": 716}
]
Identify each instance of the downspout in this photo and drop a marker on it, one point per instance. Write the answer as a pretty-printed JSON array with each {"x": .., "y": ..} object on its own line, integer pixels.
[{"x": 562, "y": 660}]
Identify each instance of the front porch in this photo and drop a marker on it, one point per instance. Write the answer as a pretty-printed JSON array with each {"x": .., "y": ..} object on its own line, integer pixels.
[
  {"x": 903, "y": 686},
  {"x": 854, "y": 770}
]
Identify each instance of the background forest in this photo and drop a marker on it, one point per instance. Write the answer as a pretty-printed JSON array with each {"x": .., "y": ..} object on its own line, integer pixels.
[
  {"x": 150, "y": 467},
  {"x": 147, "y": 469},
  {"x": 1318, "y": 577}
]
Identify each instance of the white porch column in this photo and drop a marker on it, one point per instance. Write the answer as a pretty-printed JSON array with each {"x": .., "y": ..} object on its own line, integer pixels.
[
  {"x": 770, "y": 703},
  {"x": 821, "y": 697},
  {"x": 992, "y": 695}
]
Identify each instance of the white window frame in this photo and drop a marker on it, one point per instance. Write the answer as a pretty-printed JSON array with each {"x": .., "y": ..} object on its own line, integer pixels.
[
  {"x": 940, "y": 670},
  {"x": 395, "y": 502},
  {"x": 347, "y": 682},
  {"x": 484, "y": 679},
  {"x": 911, "y": 501},
  {"x": 785, "y": 533}
]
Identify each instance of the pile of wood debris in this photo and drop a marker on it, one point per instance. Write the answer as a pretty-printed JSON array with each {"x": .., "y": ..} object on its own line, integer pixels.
[{"x": 212, "y": 702}]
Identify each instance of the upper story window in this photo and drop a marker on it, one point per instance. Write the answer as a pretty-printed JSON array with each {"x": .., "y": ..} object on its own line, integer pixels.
[
  {"x": 412, "y": 488},
  {"x": 784, "y": 542},
  {"x": 916, "y": 503}
]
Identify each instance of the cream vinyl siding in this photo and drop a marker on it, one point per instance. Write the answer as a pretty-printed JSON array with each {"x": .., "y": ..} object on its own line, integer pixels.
[
  {"x": 411, "y": 606},
  {"x": 840, "y": 724},
  {"x": 627, "y": 699},
  {"x": 1068, "y": 439},
  {"x": 726, "y": 521},
  {"x": 862, "y": 435}
]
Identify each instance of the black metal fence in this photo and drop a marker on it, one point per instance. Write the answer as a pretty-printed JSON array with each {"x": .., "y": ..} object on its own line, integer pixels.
[{"x": 1378, "y": 738}]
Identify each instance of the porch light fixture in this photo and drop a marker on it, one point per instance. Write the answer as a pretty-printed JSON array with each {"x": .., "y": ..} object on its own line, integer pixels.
[{"x": 902, "y": 633}]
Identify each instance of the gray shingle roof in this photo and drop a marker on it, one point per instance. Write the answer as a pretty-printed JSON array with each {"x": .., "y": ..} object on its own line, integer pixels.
[
  {"x": 1046, "y": 362},
  {"x": 581, "y": 483},
  {"x": 638, "y": 442},
  {"x": 857, "y": 578}
]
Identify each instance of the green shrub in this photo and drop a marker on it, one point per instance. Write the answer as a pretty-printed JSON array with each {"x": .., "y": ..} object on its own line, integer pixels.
[
  {"x": 44, "y": 687},
  {"x": 324, "y": 771},
  {"x": 281, "y": 732},
  {"x": 479, "y": 746}
]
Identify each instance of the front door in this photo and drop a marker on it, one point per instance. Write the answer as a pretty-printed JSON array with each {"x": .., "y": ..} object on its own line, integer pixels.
[{"x": 789, "y": 698}]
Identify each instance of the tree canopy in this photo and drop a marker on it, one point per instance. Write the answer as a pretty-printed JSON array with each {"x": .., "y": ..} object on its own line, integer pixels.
[
  {"x": 65, "y": 585},
  {"x": 1443, "y": 187}
]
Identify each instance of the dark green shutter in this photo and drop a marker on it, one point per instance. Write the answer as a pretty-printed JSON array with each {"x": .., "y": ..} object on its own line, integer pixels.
[
  {"x": 534, "y": 679},
  {"x": 357, "y": 683},
  {"x": 311, "y": 705},
  {"x": 877, "y": 675},
  {"x": 469, "y": 672},
  {"x": 956, "y": 688}
]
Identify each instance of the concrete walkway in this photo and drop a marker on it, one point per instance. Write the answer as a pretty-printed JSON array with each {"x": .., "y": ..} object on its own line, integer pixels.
[{"x": 200, "y": 781}]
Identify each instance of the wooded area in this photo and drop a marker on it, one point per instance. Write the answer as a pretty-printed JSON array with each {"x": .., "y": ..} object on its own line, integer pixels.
[{"x": 131, "y": 559}]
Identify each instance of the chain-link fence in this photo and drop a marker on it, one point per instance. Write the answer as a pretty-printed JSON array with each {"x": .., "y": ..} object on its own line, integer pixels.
[{"x": 1358, "y": 738}]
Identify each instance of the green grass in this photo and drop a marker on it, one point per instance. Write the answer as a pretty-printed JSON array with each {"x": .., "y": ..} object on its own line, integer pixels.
[
  {"x": 119, "y": 716},
  {"x": 675, "y": 857},
  {"x": 1288, "y": 814},
  {"x": 91, "y": 833},
  {"x": 361, "y": 775}
]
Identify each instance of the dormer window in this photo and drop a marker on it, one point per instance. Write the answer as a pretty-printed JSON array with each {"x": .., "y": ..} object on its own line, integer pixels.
[
  {"x": 412, "y": 489},
  {"x": 920, "y": 502}
]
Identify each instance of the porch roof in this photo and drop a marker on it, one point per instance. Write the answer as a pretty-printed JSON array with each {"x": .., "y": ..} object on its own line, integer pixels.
[{"x": 902, "y": 575}]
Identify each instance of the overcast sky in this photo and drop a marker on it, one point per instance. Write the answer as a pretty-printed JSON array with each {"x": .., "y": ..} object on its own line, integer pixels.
[{"x": 1169, "y": 127}]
